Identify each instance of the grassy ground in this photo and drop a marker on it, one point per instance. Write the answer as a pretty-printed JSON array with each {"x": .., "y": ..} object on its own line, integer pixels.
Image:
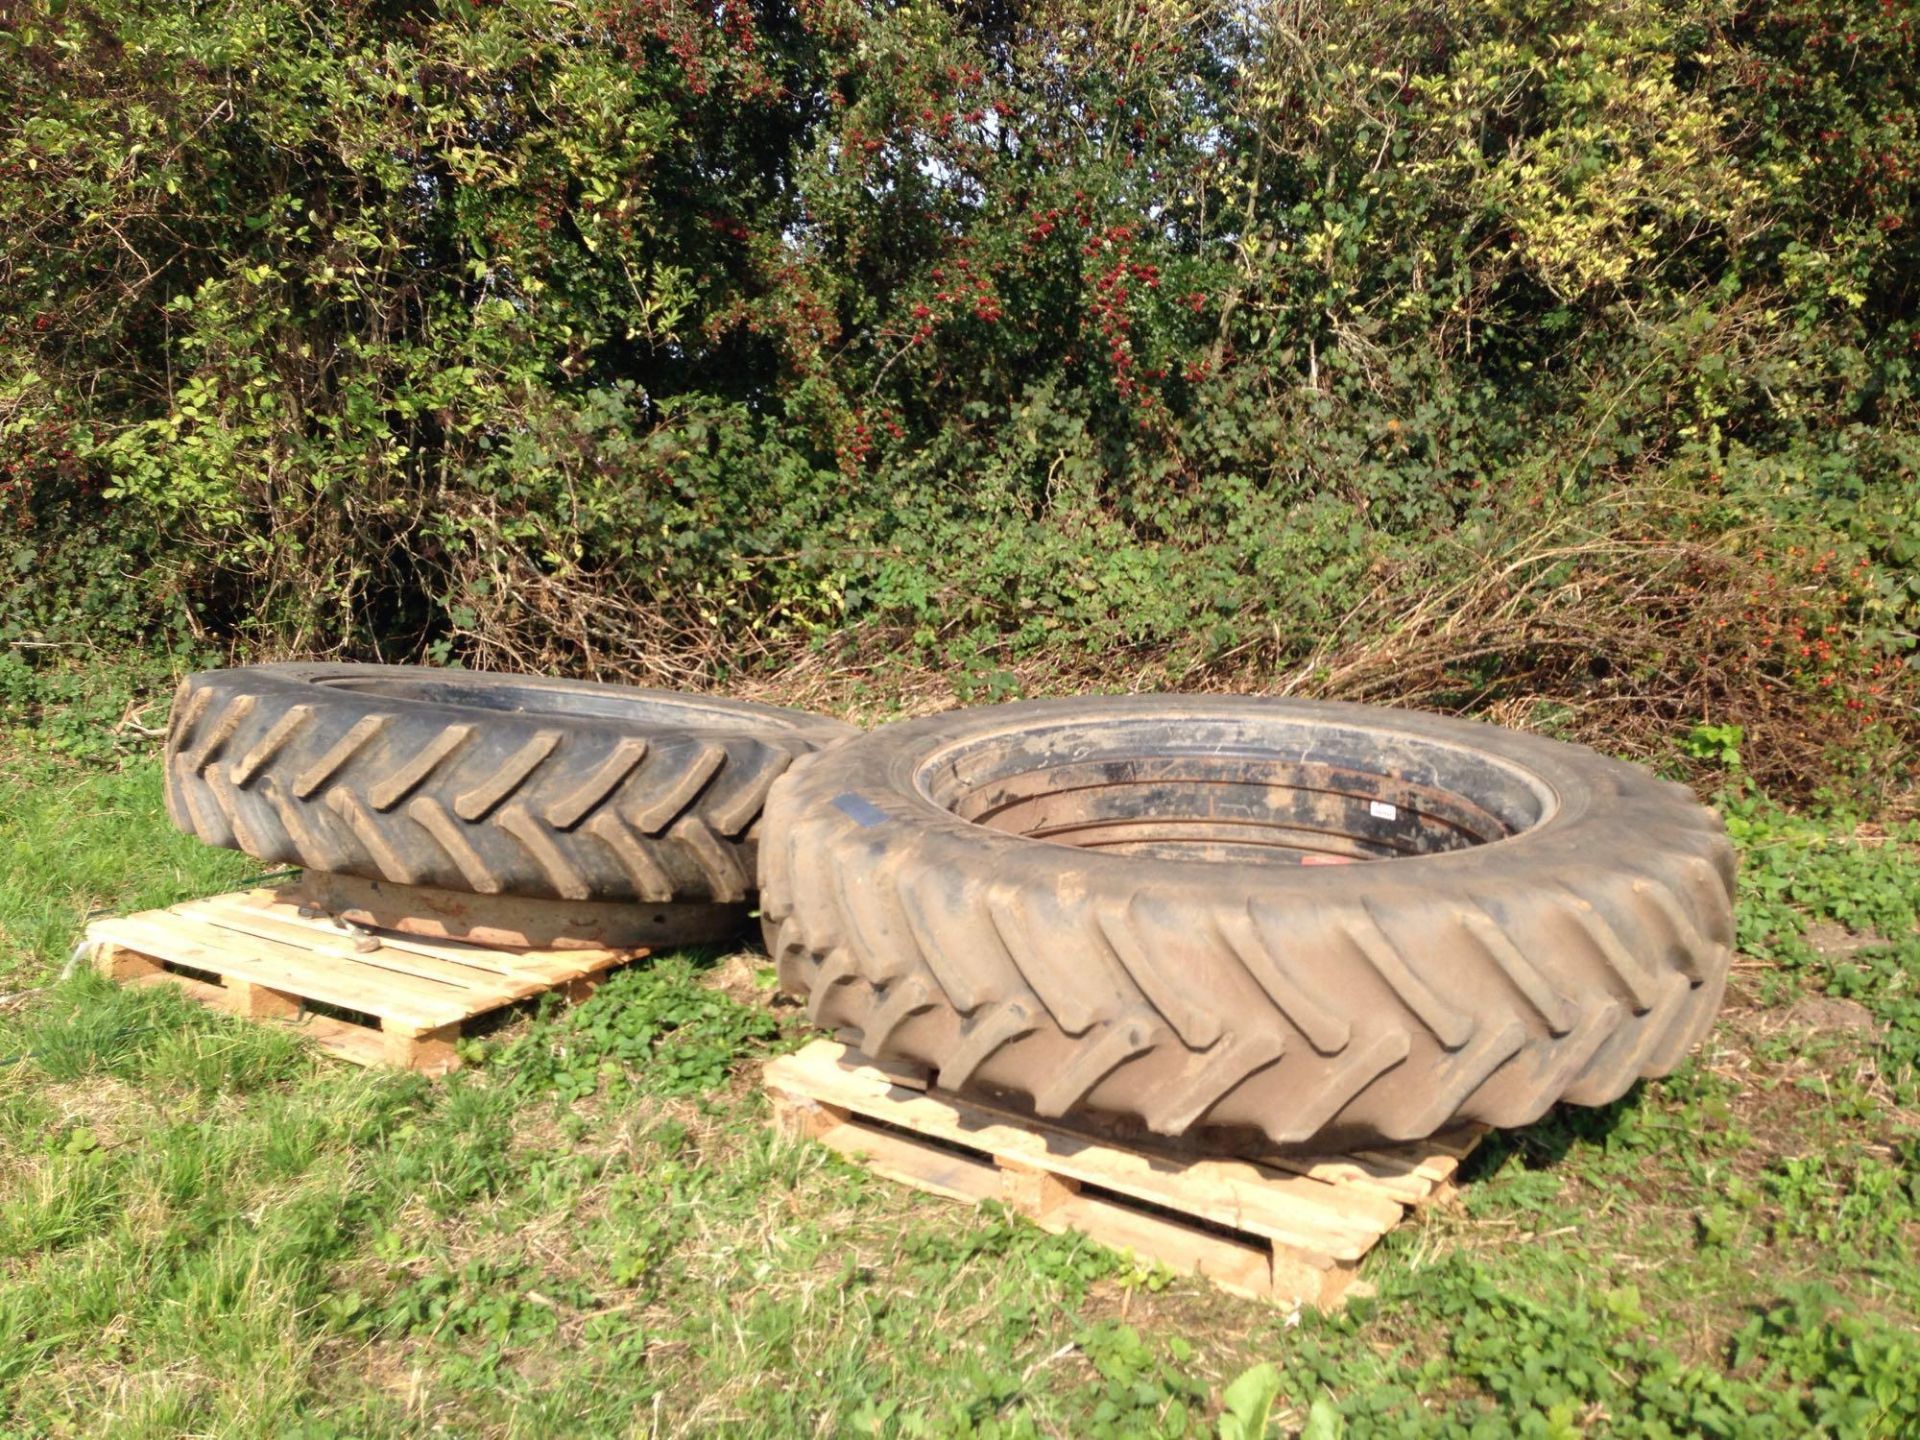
[{"x": 206, "y": 1230}]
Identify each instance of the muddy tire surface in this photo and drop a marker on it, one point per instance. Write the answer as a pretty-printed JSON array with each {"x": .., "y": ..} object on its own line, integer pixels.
[
  {"x": 1320, "y": 922},
  {"x": 485, "y": 784}
]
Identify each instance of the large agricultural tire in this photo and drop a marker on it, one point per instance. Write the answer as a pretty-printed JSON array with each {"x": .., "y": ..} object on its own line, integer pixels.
[
  {"x": 1146, "y": 909},
  {"x": 485, "y": 784}
]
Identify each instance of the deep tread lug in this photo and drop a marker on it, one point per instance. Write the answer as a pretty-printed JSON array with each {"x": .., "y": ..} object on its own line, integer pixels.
[
  {"x": 480, "y": 801},
  {"x": 392, "y": 773},
  {"x": 401, "y": 782}
]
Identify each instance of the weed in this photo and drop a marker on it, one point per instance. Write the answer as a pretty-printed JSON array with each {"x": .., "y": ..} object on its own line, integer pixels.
[
  {"x": 1247, "y": 1404},
  {"x": 653, "y": 1029},
  {"x": 1141, "y": 1390}
]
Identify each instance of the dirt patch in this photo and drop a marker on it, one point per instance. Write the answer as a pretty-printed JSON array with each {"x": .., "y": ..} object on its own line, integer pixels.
[
  {"x": 1188, "y": 1307},
  {"x": 1827, "y": 1014},
  {"x": 740, "y": 977},
  {"x": 1836, "y": 942}
]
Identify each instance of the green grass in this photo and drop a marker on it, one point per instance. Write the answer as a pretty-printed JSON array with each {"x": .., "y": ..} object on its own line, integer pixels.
[
  {"x": 206, "y": 1230},
  {"x": 76, "y": 840}
]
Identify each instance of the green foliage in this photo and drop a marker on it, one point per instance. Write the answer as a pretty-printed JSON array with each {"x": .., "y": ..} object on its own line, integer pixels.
[
  {"x": 93, "y": 1029},
  {"x": 1140, "y": 1391},
  {"x": 1796, "y": 874},
  {"x": 1849, "y": 1378},
  {"x": 480, "y": 1298},
  {"x": 87, "y": 711},
  {"x": 1548, "y": 1369},
  {"x": 1715, "y": 744},
  {"x": 653, "y": 1028},
  {"x": 1068, "y": 1261},
  {"x": 108, "y": 835},
  {"x": 1796, "y": 871},
  {"x": 1565, "y": 348},
  {"x": 1247, "y": 1404}
]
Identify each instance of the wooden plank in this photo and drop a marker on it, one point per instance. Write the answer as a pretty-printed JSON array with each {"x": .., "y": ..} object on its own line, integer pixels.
[
  {"x": 1433, "y": 1169},
  {"x": 542, "y": 967},
  {"x": 826, "y": 1092},
  {"x": 1298, "y": 1280},
  {"x": 1240, "y": 1266},
  {"x": 330, "y": 980},
  {"x": 1235, "y": 1266},
  {"x": 898, "y": 1157},
  {"x": 534, "y": 964},
  {"x": 903, "y": 1073},
  {"x": 214, "y": 997},
  {"x": 487, "y": 987},
  {"x": 506, "y": 924},
  {"x": 272, "y": 961},
  {"x": 1273, "y": 1216},
  {"x": 1304, "y": 1213},
  {"x": 360, "y": 1044},
  {"x": 801, "y": 1119},
  {"x": 333, "y": 980},
  {"x": 117, "y": 962},
  {"x": 426, "y": 1048},
  {"x": 257, "y": 1002},
  {"x": 1458, "y": 1143},
  {"x": 1405, "y": 1174},
  {"x": 1411, "y": 1173},
  {"x": 357, "y": 1043},
  {"x": 1245, "y": 1264},
  {"x": 1032, "y": 1192},
  {"x": 580, "y": 989},
  {"x": 1391, "y": 1178}
]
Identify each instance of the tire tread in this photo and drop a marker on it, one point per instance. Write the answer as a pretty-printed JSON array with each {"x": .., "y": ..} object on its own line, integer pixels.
[
  {"x": 487, "y": 802},
  {"x": 1563, "y": 976}
]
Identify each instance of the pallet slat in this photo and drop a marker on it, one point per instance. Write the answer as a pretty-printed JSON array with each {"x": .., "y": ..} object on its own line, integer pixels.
[
  {"x": 262, "y": 924},
  {"x": 940, "y": 1173},
  {"x": 1285, "y": 1227},
  {"x": 272, "y": 964},
  {"x": 540, "y": 967},
  {"x": 357, "y": 1043},
  {"x": 1238, "y": 1266},
  {"x": 1237, "y": 1193},
  {"x": 326, "y": 978},
  {"x": 1394, "y": 1176}
]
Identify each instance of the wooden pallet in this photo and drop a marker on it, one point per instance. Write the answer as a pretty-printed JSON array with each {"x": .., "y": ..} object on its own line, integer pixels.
[
  {"x": 1286, "y": 1228},
  {"x": 262, "y": 954}
]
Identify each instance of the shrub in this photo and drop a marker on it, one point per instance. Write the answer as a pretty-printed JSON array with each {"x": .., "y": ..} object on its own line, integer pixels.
[{"x": 1568, "y": 347}]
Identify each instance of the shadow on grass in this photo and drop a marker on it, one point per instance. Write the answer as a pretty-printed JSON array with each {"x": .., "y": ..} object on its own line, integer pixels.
[{"x": 1546, "y": 1143}]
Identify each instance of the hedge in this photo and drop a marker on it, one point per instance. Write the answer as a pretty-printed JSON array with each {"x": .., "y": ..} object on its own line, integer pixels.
[{"x": 1554, "y": 361}]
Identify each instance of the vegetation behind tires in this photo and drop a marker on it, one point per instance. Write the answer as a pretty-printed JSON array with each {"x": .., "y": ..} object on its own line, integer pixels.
[{"x": 1552, "y": 360}]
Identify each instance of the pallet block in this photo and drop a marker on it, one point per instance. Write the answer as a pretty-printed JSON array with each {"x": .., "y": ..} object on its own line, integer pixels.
[
  {"x": 272, "y": 958},
  {"x": 1286, "y": 1228}
]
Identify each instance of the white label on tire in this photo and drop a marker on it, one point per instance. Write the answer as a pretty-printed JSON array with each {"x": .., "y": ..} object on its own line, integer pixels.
[{"x": 1380, "y": 810}]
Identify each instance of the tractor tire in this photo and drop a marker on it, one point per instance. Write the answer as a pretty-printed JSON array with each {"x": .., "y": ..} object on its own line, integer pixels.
[
  {"x": 484, "y": 784},
  {"x": 1323, "y": 923}
]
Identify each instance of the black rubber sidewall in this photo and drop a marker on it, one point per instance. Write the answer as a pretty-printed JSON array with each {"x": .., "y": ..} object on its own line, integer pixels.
[{"x": 706, "y": 716}]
